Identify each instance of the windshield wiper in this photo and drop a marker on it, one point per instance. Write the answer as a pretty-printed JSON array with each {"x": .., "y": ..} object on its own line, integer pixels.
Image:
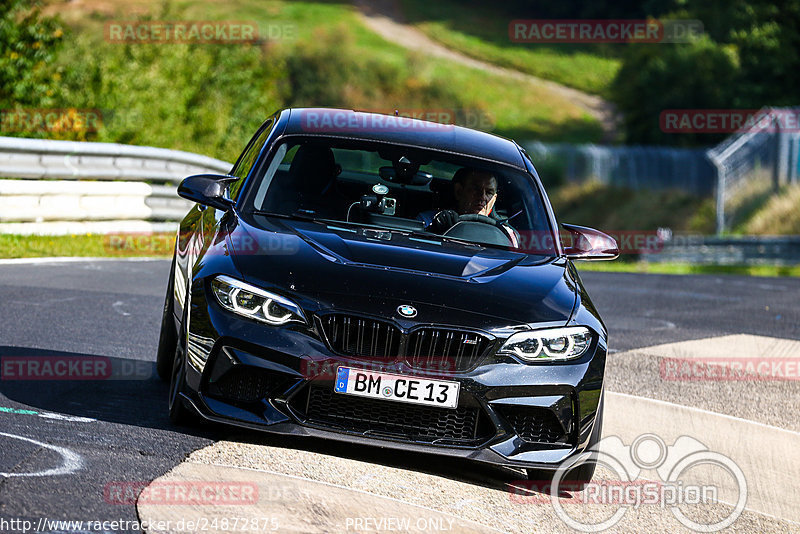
[
  {"x": 432, "y": 237},
  {"x": 297, "y": 215}
]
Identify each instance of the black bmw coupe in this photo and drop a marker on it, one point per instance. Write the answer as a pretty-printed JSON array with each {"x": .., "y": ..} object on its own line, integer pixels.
[{"x": 386, "y": 281}]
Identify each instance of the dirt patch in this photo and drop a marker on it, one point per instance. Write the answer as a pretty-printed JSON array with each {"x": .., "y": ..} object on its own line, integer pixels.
[{"x": 385, "y": 18}]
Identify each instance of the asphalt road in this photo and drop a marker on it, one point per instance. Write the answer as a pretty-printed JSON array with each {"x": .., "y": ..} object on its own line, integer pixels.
[
  {"x": 112, "y": 431},
  {"x": 645, "y": 310},
  {"x": 121, "y": 431}
]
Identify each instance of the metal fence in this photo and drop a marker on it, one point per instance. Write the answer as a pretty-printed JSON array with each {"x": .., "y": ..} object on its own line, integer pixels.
[
  {"x": 741, "y": 172},
  {"x": 755, "y": 163},
  {"x": 634, "y": 167}
]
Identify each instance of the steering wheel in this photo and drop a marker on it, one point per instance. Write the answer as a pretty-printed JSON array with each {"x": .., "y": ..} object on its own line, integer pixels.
[
  {"x": 480, "y": 229},
  {"x": 476, "y": 217}
]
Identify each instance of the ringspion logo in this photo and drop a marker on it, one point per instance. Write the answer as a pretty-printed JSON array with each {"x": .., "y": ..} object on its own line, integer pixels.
[{"x": 689, "y": 475}]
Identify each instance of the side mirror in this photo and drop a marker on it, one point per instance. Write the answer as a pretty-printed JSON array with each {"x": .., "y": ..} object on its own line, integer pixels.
[
  {"x": 589, "y": 244},
  {"x": 207, "y": 189}
]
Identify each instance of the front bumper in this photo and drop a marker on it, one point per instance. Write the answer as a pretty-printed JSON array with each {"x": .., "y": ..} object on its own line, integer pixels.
[{"x": 280, "y": 380}]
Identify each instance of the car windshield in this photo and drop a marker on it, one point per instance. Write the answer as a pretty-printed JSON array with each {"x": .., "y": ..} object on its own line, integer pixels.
[{"x": 406, "y": 189}]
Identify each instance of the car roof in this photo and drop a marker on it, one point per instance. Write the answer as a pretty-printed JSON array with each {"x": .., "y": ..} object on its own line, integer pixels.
[{"x": 402, "y": 130}]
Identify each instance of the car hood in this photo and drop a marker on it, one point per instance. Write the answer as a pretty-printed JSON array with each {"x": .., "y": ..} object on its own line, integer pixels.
[{"x": 347, "y": 268}]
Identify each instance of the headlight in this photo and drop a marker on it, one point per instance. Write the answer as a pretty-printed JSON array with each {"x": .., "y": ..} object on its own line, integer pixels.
[
  {"x": 255, "y": 303},
  {"x": 554, "y": 344}
]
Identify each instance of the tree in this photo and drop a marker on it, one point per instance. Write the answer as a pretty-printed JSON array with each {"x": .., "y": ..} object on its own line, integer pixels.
[
  {"x": 28, "y": 43},
  {"x": 658, "y": 77},
  {"x": 748, "y": 59}
]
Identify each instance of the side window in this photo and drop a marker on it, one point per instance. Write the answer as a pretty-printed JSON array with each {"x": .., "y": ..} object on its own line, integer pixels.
[{"x": 248, "y": 158}]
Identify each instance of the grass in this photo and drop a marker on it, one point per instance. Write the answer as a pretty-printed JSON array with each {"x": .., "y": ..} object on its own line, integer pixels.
[
  {"x": 778, "y": 215},
  {"x": 211, "y": 97},
  {"x": 482, "y": 33},
  {"x": 755, "y": 209},
  {"x": 90, "y": 245},
  {"x": 617, "y": 209},
  {"x": 687, "y": 268}
]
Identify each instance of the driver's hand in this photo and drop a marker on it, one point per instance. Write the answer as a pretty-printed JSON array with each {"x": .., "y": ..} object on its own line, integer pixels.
[
  {"x": 443, "y": 221},
  {"x": 487, "y": 210}
]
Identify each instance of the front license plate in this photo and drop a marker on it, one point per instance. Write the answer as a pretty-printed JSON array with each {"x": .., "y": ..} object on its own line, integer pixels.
[{"x": 443, "y": 393}]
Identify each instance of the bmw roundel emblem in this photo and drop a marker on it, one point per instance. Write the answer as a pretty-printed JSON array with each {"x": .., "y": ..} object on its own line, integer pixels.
[{"x": 407, "y": 310}]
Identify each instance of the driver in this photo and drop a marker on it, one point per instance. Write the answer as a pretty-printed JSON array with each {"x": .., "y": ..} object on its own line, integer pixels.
[{"x": 475, "y": 192}]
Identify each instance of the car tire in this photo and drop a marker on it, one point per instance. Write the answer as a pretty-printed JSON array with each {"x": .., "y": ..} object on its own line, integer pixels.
[
  {"x": 579, "y": 477},
  {"x": 179, "y": 414},
  {"x": 167, "y": 338}
]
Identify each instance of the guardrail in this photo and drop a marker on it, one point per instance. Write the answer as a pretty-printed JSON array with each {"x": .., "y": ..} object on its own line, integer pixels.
[
  {"x": 744, "y": 250},
  {"x": 64, "y": 187},
  {"x": 68, "y": 187}
]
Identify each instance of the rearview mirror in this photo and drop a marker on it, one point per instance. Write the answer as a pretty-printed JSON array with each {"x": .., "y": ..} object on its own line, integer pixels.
[
  {"x": 584, "y": 243},
  {"x": 207, "y": 189},
  {"x": 418, "y": 178}
]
